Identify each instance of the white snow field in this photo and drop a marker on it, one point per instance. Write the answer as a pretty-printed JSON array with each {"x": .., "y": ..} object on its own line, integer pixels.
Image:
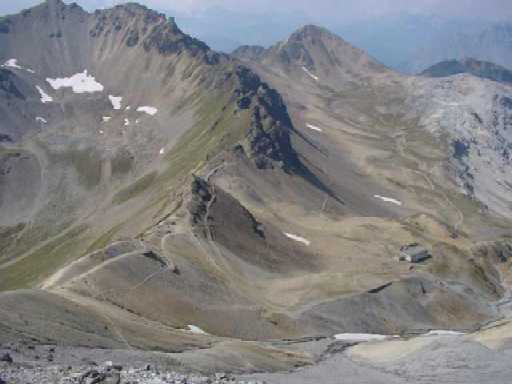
[
  {"x": 79, "y": 83},
  {"x": 148, "y": 109}
]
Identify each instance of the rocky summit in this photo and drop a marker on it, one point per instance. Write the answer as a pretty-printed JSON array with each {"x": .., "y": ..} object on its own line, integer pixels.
[{"x": 296, "y": 213}]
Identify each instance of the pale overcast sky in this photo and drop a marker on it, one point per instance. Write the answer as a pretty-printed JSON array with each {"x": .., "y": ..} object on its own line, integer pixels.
[{"x": 343, "y": 10}]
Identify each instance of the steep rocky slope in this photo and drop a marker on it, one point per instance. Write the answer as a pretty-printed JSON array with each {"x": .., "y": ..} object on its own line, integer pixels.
[
  {"x": 474, "y": 116},
  {"x": 158, "y": 195}
]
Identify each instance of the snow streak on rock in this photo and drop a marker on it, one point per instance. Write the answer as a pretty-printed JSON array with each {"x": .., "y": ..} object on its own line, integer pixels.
[
  {"x": 298, "y": 238},
  {"x": 195, "y": 329},
  {"x": 12, "y": 63},
  {"x": 147, "y": 109},
  {"x": 388, "y": 200},
  {"x": 360, "y": 337},
  {"x": 116, "y": 101},
  {"x": 310, "y": 74},
  {"x": 314, "y": 127},
  {"x": 443, "y": 333},
  {"x": 45, "y": 98}
]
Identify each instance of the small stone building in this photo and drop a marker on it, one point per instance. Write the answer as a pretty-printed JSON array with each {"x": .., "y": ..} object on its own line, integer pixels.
[{"x": 414, "y": 253}]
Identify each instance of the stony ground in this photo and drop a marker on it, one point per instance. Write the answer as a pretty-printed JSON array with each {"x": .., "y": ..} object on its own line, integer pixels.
[
  {"x": 106, "y": 373},
  {"x": 443, "y": 357},
  {"x": 22, "y": 363}
]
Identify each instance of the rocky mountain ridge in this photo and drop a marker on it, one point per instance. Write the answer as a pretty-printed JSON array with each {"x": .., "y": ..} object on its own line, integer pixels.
[{"x": 158, "y": 196}]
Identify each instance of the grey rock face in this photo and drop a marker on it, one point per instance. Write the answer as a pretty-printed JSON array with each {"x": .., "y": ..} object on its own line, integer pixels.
[{"x": 476, "y": 116}]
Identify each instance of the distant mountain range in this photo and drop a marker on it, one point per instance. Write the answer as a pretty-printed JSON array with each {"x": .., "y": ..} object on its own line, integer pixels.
[
  {"x": 407, "y": 43},
  {"x": 493, "y": 43},
  {"x": 478, "y": 68}
]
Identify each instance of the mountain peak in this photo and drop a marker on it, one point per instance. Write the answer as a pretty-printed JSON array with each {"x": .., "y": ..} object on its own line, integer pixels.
[
  {"x": 55, "y": 2},
  {"x": 311, "y": 31},
  {"x": 317, "y": 53}
]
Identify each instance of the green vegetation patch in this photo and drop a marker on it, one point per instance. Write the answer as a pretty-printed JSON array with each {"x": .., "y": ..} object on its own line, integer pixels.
[
  {"x": 219, "y": 127},
  {"x": 105, "y": 239},
  {"x": 42, "y": 262},
  {"x": 134, "y": 189}
]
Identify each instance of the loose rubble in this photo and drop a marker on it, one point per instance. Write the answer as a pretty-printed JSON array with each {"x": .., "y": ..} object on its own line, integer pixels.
[{"x": 108, "y": 373}]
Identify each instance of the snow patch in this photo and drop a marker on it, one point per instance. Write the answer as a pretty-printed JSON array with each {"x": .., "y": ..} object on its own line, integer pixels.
[
  {"x": 41, "y": 120},
  {"x": 115, "y": 101},
  {"x": 388, "y": 200},
  {"x": 106, "y": 119},
  {"x": 195, "y": 329},
  {"x": 79, "y": 83},
  {"x": 443, "y": 333},
  {"x": 310, "y": 74},
  {"x": 12, "y": 63},
  {"x": 147, "y": 109},
  {"x": 128, "y": 108},
  {"x": 162, "y": 151},
  {"x": 126, "y": 122},
  {"x": 101, "y": 132},
  {"x": 45, "y": 98},
  {"x": 298, "y": 238},
  {"x": 360, "y": 337},
  {"x": 314, "y": 127}
]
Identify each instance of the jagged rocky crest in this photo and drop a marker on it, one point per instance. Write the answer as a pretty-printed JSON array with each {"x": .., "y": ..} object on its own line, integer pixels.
[
  {"x": 200, "y": 197},
  {"x": 151, "y": 29},
  {"x": 268, "y": 137}
]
